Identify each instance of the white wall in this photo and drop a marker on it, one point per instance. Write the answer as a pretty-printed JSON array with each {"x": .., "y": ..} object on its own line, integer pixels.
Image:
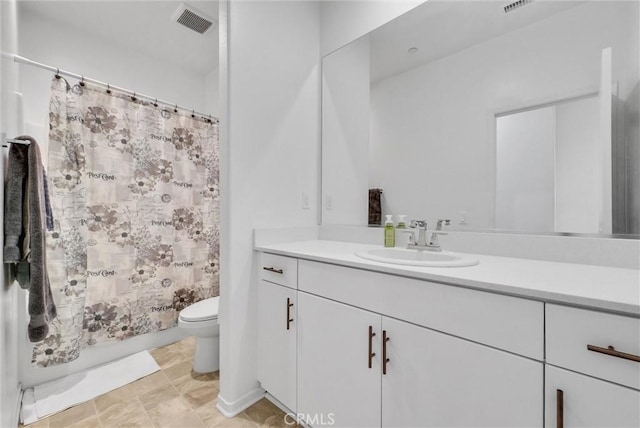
[
  {"x": 525, "y": 145},
  {"x": 577, "y": 158},
  {"x": 437, "y": 119},
  {"x": 343, "y": 21},
  {"x": 270, "y": 141},
  {"x": 63, "y": 46},
  {"x": 212, "y": 93},
  {"x": 9, "y": 301},
  {"x": 345, "y": 134},
  {"x": 546, "y": 160}
]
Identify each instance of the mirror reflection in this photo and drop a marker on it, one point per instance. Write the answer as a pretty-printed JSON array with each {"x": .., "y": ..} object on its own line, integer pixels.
[{"x": 525, "y": 120}]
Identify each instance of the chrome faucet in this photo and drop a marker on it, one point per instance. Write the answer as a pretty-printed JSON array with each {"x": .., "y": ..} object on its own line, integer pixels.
[
  {"x": 421, "y": 242},
  {"x": 434, "y": 243}
]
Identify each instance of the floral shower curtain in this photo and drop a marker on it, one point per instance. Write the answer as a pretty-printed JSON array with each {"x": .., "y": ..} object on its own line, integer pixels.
[{"x": 134, "y": 193}]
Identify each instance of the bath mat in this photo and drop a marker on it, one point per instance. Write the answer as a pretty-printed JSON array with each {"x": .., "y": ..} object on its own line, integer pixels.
[{"x": 60, "y": 394}]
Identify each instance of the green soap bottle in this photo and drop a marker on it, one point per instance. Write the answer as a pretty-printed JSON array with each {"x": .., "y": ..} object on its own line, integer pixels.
[{"x": 389, "y": 232}]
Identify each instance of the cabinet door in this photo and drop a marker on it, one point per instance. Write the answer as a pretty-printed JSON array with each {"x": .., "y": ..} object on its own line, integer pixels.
[
  {"x": 335, "y": 384},
  {"x": 588, "y": 402},
  {"x": 277, "y": 342},
  {"x": 437, "y": 380}
]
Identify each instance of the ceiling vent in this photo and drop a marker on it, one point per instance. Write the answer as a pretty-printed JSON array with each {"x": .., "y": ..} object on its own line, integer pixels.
[
  {"x": 193, "y": 19},
  {"x": 515, "y": 5}
]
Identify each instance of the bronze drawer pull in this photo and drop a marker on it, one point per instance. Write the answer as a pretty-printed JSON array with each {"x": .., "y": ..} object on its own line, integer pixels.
[
  {"x": 559, "y": 408},
  {"x": 385, "y": 360},
  {"x": 274, "y": 270},
  {"x": 610, "y": 350},
  {"x": 289, "y": 319},
  {"x": 371, "y": 353}
]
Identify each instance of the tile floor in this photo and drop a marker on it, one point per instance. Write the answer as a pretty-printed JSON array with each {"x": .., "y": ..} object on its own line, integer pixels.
[{"x": 172, "y": 397}]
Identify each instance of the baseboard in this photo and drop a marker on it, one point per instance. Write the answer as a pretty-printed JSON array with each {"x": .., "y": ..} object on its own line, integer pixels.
[
  {"x": 230, "y": 409},
  {"x": 277, "y": 403},
  {"x": 291, "y": 416},
  {"x": 15, "y": 417}
]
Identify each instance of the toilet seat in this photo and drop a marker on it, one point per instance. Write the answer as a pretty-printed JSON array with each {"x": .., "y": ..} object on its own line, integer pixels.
[{"x": 204, "y": 310}]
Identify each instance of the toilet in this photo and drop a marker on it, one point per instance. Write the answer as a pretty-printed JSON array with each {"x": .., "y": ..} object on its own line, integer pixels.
[{"x": 201, "y": 320}]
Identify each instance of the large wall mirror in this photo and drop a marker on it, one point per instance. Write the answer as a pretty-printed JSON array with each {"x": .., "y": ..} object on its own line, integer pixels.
[{"x": 523, "y": 119}]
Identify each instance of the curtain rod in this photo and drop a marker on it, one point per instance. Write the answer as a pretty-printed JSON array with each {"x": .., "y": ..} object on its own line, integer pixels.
[{"x": 134, "y": 94}]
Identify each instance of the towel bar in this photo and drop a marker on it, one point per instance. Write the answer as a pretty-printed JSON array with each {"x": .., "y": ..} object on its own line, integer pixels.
[{"x": 6, "y": 141}]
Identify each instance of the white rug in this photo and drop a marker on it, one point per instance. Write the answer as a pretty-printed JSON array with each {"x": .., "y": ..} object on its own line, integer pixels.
[{"x": 60, "y": 394}]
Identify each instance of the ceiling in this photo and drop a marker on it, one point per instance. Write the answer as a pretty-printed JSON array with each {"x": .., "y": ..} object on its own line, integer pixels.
[
  {"x": 440, "y": 28},
  {"x": 141, "y": 25}
]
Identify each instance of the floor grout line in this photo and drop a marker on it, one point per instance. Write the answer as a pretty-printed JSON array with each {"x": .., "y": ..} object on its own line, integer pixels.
[
  {"x": 95, "y": 409},
  {"x": 181, "y": 351}
]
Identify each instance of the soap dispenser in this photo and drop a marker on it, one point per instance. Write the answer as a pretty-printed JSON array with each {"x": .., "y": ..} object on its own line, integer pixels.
[
  {"x": 389, "y": 232},
  {"x": 402, "y": 221}
]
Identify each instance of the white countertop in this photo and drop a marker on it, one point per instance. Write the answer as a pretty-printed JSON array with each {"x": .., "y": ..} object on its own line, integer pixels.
[{"x": 597, "y": 287}]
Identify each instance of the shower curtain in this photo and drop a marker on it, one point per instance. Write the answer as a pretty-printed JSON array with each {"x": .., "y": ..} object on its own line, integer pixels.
[{"x": 134, "y": 193}]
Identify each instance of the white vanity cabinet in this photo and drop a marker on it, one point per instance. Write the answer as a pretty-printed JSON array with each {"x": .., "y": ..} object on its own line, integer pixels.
[
  {"x": 429, "y": 379},
  {"x": 593, "y": 369},
  {"x": 501, "y": 344},
  {"x": 348, "y": 371},
  {"x": 277, "y": 307}
]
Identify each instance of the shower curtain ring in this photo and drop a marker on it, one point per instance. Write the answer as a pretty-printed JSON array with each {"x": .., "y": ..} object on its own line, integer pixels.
[
  {"x": 193, "y": 112},
  {"x": 175, "y": 109},
  {"x": 108, "y": 89},
  {"x": 81, "y": 80},
  {"x": 57, "y": 73},
  {"x": 133, "y": 97},
  {"x": 155, "y": 103}
]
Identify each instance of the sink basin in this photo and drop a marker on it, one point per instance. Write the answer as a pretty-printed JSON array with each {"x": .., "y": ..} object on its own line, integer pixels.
[{"x": 403, "y": 256}]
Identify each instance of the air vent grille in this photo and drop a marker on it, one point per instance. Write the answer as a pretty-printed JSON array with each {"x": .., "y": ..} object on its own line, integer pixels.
[
  {"x": 194, "y": 21},
  {"x": 193, "y": 18},
  {"x": 515, "y": 5}
]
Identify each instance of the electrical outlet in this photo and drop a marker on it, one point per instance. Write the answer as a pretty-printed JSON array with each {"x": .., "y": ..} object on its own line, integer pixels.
[{"x": 463, "y": 217}]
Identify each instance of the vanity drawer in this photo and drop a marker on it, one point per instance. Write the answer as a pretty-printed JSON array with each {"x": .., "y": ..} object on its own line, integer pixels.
[
  {"x": 278, "y": 269},
  {"x": 569, "y": 331}
]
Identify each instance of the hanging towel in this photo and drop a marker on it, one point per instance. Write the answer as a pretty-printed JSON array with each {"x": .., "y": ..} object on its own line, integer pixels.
[
  {"x": 375, "y": 207},
  {"x": 15, "y": 186},
  {"x": 42, "y": 309},
  {"x": 26, "y": 221}
]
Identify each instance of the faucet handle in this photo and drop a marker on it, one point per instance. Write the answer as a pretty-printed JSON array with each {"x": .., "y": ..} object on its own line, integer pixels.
[
  {"x": 418, "y": 223},
  {"x": 446, "y": 222}
]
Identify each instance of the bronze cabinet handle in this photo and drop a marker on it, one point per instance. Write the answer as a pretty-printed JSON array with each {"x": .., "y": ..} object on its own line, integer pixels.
[
  {"x": 274, "y": 270},
  {"x": 559, "y": 408},
  {"x": 385, "y": 360},
  {"x": 289, "y": 319},
  {"x": 371, "y": 353},
  {"x": 610, "y": 350}
]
